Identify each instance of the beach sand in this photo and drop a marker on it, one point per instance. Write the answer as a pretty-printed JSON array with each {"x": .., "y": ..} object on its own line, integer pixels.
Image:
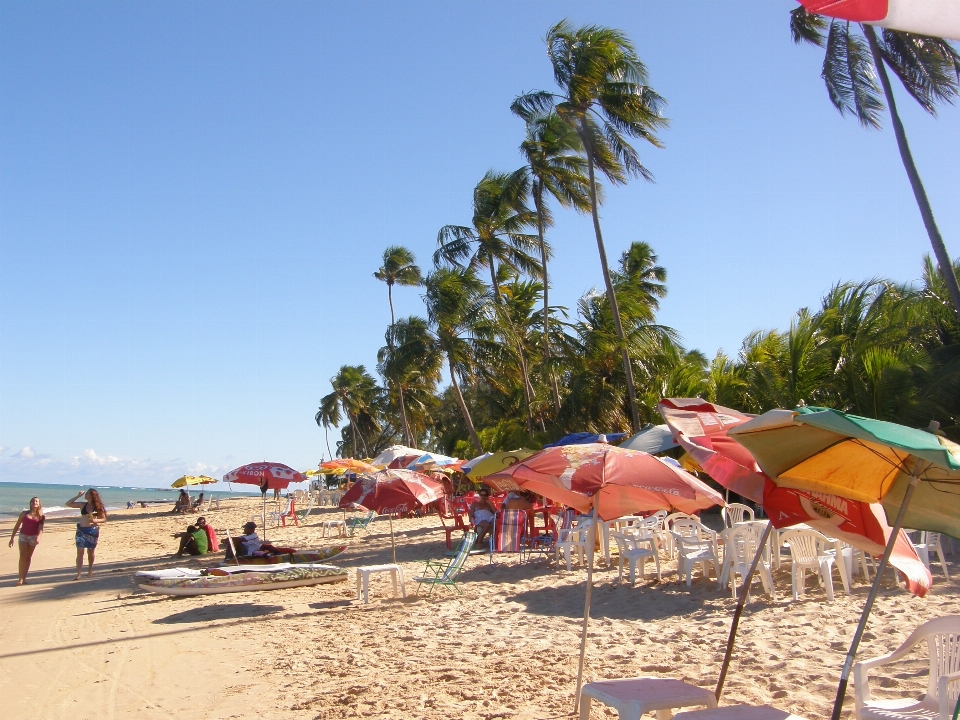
[{"x": 506, "y": 648}]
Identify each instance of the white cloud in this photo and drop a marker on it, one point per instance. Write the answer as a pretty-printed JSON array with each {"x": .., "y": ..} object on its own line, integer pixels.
[
  {"x": 3, "y": 449},
  {"x": 25, "y": 453}
]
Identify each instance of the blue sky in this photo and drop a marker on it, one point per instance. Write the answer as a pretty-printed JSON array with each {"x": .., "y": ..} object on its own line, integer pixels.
[{"x": 194, "y": 197}]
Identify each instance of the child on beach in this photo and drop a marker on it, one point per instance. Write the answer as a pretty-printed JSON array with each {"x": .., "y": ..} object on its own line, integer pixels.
[
  {"x": 92, "y": 516},
  {"x": 30, "y": 525}
]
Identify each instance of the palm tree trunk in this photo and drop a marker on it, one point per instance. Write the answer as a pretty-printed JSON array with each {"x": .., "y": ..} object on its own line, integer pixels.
[
  {"x": 527, "y": 388},
  {"x": 463, "y": 408},
  {"x": 555, "y": 391},
  {"x": 403, "y": 410},
  {"x": 926, "y": 212},
  {"x": 611, "y": 295}
]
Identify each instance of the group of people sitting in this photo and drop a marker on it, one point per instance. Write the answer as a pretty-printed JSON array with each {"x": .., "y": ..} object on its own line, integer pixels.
[
  {"x": 199, "y": 539},
  {"x": 185, "y": 505},
  {"x": 482, "y": 512}
]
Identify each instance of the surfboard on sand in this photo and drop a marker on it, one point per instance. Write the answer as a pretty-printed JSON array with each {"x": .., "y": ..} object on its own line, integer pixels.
[{"x": 188, "y": 581}]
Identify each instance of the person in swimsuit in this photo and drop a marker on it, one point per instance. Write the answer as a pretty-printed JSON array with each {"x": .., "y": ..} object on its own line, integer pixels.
[
  {"x": 30, "y": 525},
  {"x": 482, "y": 513},
  {"x": 92, "y": 516}
]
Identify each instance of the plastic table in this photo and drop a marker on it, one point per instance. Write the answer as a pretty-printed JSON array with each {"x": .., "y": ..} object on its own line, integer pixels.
[{"x": 633, "y": 697}]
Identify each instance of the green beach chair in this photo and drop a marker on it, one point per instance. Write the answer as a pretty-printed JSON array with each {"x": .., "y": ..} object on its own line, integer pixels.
[
  {"x": 359, "y": 523},
  {"x": 439, "y": 573}
]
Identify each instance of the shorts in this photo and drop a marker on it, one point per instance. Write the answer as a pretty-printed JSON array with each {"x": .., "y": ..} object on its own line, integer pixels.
[
  {"x": 29, "y": 539},
  {"x": 87, "y": 537}
]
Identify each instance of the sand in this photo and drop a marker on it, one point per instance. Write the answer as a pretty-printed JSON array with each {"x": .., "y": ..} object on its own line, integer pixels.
[{"x": 506, "y": 648}]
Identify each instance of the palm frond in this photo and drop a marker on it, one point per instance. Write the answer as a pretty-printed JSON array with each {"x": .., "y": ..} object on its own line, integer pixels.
[
  {"x": 807, "y": 27},
  {"x": 927, "y": 66},
  {"x": 849, "y": 75}
]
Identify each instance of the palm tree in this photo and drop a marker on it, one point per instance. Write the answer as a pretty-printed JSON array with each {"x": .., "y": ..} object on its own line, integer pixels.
[
  {"x": 552, "y": 150},
  {"x": 928, "y": 69},
  {"x": 411, "y": 362},
  {"x": 606, "y": 100},
  {"x": 399, "y": 268},
  {"x": 455, "y": 299},
  {"x": 496, "y": 235},
  {"x": 354, "y": 395}
]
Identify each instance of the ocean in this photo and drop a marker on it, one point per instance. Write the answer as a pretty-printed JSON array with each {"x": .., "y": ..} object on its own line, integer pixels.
[{"x": 15, "y": 496}]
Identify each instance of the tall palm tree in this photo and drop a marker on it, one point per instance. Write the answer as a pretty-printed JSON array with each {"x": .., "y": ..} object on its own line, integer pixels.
[
  {"x": 354, "y": 396},
  {"x": 411, "y": 362},
  {"x": 928, "y": 69},
  {"x": 496, "y": 234},
  {"x": 553, "y": 153},
  {"x": 399, "y": 268},
  {"x": 606, "y": 100},
  {"x": 455, "y": 299}
]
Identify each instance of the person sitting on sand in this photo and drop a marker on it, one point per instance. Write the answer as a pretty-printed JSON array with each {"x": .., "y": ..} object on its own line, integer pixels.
[
  {"x": 482, "y": 513},
  {"x": 183, "y": 502},
  {"x": 198, "y": 503},
  {"x": 193, "y": 541}
]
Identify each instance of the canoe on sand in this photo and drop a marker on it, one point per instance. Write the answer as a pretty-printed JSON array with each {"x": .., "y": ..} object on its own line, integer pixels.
[{"x": 187, "y": 581}]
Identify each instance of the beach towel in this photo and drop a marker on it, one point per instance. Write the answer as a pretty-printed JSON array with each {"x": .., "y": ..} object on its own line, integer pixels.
[
  {"x": 510, "y": 529},
  {"x": 212, "y": 541}
]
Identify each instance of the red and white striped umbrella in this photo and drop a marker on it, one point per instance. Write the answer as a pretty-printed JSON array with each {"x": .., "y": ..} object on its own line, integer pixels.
[{"x": 939, "y": 18}]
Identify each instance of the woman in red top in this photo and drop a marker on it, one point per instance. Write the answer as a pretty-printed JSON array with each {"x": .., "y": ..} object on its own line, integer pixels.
[{"x": 30, "y": 525}]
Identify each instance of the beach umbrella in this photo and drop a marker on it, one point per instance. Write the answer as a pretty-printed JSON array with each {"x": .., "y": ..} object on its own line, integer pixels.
[
  {"x": 915, "y": 474},
  {"x": 393, "y": 453},
  {"x": 431, "y": 460},
  {"x": 610, "y": 482},
  {"x": 583, "y": 438},
  {"x": 651, "y": 439},
  {"x": 939, "y": 18},
  {"x": 392, "y": 492},
  {"x": 702, "y": 429},
  {"x": 266, "y": 476},
  {"x": 346, "y": 465},
  {"x": 192, "y": 480},
  {"x": 490, "y": 463}
]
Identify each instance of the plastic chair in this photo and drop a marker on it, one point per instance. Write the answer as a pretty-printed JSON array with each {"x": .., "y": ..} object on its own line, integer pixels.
[
  {"x": 668, "y": 527},
  {"x": 359, "y": 523},
  {"x": 693, "y": 551},
  {"x": 289, "y": 512},
  {"x": 545, "y": 543},
  {"x": 740, "y": 547},
  {"x": 634, "y": 547},
  {"x": 447, "y": 510},
  {"x": 509, "y": 530},
  {"x": 737, "y": 513},
  {"x": 942, "y": 636},
  {"x": 808, "y": 551},
  {"x": 573, "y": 539},
  {"x": 301, "y": 517}
]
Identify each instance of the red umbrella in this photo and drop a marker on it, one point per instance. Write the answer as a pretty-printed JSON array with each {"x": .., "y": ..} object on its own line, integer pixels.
[
  {"x": 266, "y": 476},
  {"x": 924, "y": 17},
  {"x": 611, "y": 480},
  {"x": 393, "y": 492}
]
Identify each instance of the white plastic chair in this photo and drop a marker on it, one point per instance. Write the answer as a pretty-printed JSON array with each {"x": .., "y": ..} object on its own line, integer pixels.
[
  {"x": 809, "y": 550},
  {"x": 942, "y": 636},
  {"x": 668, "y": 527},
  {"x": 737, "y": 513},
  {"x": 573, "y": 539},
  {"x": 692, "y": 551},
  {"x": 740, "y": 547},
  {"x": 277, "y": 517},
  {"x": 634, "y": 547},
  {"x": 930, "y": 543}
]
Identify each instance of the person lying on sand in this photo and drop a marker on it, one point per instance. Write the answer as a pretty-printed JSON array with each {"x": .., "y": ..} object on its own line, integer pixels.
[{"x": 482, "y": 513}]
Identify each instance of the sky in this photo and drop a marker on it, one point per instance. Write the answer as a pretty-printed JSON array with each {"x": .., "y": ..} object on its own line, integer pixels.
[{"x": 194, "y": 198}]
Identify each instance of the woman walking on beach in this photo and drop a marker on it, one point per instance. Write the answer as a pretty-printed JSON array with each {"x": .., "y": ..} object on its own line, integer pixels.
[
  {"x": 30, "y": 525},
  {"x": 92, "y": 516}
]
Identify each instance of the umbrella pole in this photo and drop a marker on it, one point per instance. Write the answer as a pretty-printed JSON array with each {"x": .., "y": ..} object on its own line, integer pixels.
[
  {"x": 868, "y": 606},
  {"x": 393, "y": 543},
  {"x": 586, "y": 603},
  {"x": 263, "y": 516},
  {"x": 761, "y": 544}
]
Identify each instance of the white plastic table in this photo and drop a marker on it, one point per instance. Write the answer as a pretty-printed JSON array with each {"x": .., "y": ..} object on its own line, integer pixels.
[
  {"x": 738, "y": 712},
  {"x": 633, "y": 697},
  {"x": 363, "y": 579},
  {"x": 328, "y": 525}
]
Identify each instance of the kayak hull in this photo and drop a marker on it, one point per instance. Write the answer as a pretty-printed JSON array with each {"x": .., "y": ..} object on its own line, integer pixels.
[{"x": 193, "y": 582}]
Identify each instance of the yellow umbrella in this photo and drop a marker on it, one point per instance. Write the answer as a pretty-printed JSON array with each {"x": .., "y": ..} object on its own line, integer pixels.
[
  {"x": 345, "y": 465},
  {"x": 192, "y": 480},
  {"x": 498, "y": 461}
]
